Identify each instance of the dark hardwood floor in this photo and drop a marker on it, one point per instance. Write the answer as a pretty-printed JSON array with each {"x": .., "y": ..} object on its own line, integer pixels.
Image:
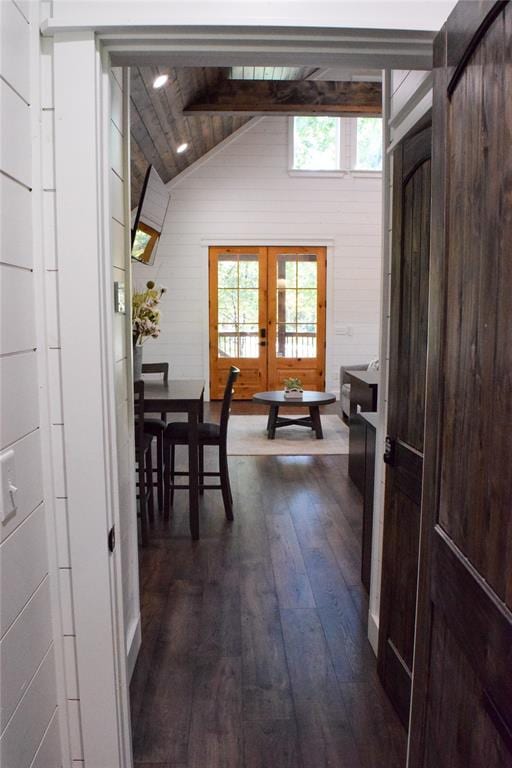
[{"x": 254, "y": 650}]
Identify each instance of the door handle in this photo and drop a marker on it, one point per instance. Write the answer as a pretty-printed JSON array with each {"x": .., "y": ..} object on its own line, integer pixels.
[
  {"x": 389, "y": 451},
  {"x": 263, "y": 343},
  {"x": 263, "y": 333}
]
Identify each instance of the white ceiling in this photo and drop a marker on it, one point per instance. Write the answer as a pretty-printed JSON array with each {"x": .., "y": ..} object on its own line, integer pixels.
[
  {"x": 369, "y": 14},
  {"x": 366, "y": 14}
]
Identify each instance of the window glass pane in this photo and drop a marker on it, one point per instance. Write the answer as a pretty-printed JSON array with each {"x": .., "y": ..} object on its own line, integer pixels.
[
  {"x": 249, "y": 340},
  {"x": 228, "y": 305},
  {"x": 306, "y": 346},
  {"x": 291, "y": 273},
  {"x": 228, "y": 344},
  {"x": 140, "y": 243},
  {"x": 306, "y": 306},
  {"x": 287, "y": 309},
  {"x": 285, "y": 339},
  {"x": 248, "y": 305},
  {"x": 293, "y": 341},
  {"x": 228, "y": 273},
  {"x": 369, "y": 144},
  {"x": 316, "y": 143},
  {"x": 306, "y": 277},
  {"x": 249, "y": 272}
]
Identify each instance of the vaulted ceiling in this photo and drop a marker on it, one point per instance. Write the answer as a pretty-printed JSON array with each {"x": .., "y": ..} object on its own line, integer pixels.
[
  {"x": 158, "y": 125},
  {"x": 202, "y": 106}
]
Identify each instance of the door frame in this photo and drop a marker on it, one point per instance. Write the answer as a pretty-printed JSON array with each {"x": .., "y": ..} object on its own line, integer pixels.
[
  {"x": 85, "y": 38},
  {"x": 398, "y": 152},
  {"x": 272, "y": 264},
  {"x": 266, "y": 291},
  {"x": 328, "y": 243},
  {"x": 243, "y": 364}
]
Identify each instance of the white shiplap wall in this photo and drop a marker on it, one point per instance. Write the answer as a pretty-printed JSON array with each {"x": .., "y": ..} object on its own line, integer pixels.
[
  {"x": 29, "y": 655},
  {"x": 244, "y": 194},
  {"x": 120, "y": 243},
  {"x": 56, "y": 466},
  {"x": 126, "y": 488}
]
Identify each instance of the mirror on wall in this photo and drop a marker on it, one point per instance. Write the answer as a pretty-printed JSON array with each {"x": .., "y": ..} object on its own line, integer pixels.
[{"x": 149, "y": 218}]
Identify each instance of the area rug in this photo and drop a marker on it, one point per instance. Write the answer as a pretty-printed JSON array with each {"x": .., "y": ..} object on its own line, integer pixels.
[{"x": 247, "y": 436}]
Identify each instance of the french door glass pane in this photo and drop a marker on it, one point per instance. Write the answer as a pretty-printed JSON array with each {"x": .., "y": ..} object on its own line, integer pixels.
[
  {"x": 248, "y": 305},
  {"x": 293, "y": 341},
  {"x": 306, "y": 306},
  {"x": 297, "y": 301},
  {"x": 228, "y": 273},
  {"x": 249, "y": 272},
  {"x": 238, "y": 306},
  {"x": 306, "y": 274}
]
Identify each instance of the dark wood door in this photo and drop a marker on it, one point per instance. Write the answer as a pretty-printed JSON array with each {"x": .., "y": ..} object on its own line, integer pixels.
[
  {"x": 406, "y": 411},
  {"x": 462, "y": 692}
]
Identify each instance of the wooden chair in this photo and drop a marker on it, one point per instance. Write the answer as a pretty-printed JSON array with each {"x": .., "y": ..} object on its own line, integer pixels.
[
  {"x": 155, "y": 426},
  {"x": 143, "y": 457},
  {"x": 176, "y": 433}
]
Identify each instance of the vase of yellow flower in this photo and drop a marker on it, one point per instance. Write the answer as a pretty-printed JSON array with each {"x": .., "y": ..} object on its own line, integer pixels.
[{"x": 145, "y": 321}]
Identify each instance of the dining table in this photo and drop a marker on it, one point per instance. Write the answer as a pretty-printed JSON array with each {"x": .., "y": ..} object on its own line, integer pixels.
[{"x": 181, "y": 396}]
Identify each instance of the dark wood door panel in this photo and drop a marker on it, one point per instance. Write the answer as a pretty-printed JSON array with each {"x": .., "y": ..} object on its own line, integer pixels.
[
  {"x": 406, "y": 404},
  {"x": 405, "y": 572},
  {"x": 462, "y": 693},
  {"x": 477, "y": 357},
  {"x": 461, "y": 731},
  {"x": 412, "y": 335},
  {"x": 481, "y": 624}
]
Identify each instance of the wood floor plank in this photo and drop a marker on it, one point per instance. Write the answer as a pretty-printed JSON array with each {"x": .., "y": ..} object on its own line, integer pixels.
[
  {"x": 346, "y": 635},
  {"x": 266, "y": 684},
  {"x": 162, "y": 730},
  {"x": 216, "y": 726},
  {"x": 152, "y": 611},
  {"x": 181, "y": 622},
  {"x": 271, "y": 744},
  {"x": 233, "y": 671},
  {"x": 220, "y": 629},
  {"x": 324, "y": 729},
  {"x": 292, "y": 583},
  {"x": 345, "y": 543},
  {"x": 371, "y": 712}
]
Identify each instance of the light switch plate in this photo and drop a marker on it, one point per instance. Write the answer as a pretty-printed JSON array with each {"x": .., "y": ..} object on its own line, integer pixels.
[
  {"x": 119, "y": 298},
  {"x": 8, "y": 505}
]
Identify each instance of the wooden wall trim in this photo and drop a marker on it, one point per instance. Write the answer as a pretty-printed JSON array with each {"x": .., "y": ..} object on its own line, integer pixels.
[{"x": 478, "y": 16}]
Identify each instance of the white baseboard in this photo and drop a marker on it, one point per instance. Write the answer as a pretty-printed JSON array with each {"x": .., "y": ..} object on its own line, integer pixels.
[
  {"x": 373, "y": 631},
  {"x": 133, "y": 643}
]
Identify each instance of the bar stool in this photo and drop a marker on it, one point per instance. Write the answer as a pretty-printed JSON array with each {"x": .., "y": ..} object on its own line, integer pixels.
[{"x": 177, "y": 433}]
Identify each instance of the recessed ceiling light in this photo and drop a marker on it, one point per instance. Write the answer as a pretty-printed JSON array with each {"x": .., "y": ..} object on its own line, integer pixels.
[
  {"x": 160, "y": 80},
  {"x": 181, "y": 148}
]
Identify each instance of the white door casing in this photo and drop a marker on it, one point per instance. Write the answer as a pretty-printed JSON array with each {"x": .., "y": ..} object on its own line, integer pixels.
[
  {"x": 85, "y": 308},
  {"x": 85, "y": 296}
]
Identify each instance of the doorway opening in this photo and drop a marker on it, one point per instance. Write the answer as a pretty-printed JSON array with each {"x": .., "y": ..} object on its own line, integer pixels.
[{"x": 267, "y": 317}]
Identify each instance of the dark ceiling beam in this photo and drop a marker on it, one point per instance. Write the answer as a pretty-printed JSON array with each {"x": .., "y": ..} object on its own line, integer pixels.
[{"x": 290, "y": 97}]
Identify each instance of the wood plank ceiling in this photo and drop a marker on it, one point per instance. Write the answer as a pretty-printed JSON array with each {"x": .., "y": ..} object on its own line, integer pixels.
[{"x": 158, "y": 125}]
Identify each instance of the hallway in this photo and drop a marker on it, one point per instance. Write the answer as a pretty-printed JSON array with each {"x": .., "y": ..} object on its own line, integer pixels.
[{"x": 254, "y": 649}]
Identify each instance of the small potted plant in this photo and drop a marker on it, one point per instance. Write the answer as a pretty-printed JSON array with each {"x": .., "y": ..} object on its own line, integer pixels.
[
  {"x": 293, "y": 389},
  {"x": 145, "y": 321}
]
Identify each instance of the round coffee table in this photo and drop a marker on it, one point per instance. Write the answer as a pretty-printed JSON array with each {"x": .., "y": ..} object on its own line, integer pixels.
[{"x": 310, "y": 400}]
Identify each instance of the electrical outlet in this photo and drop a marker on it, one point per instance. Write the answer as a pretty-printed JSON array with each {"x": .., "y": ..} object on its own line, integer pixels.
[{"x": 8, "y": 503}]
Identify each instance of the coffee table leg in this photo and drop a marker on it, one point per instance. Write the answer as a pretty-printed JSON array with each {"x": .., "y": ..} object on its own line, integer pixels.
[
  {"x": 272, "y": 418},
  {"x": 314, "y": 412}
]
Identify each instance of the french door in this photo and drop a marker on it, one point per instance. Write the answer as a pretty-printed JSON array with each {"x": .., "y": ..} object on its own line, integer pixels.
[{"x": 267, "y": 317}]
